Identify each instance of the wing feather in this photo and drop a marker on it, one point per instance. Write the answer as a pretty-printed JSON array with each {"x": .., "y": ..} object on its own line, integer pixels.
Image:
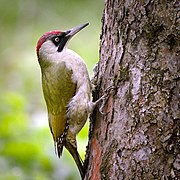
[{"x": 58, "y": 88}]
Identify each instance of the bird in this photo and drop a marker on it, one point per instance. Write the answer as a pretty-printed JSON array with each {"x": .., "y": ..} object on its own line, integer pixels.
[{"x": 67, "y": 90}]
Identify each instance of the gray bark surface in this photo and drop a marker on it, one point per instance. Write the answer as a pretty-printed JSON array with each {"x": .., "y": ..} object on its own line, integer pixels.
[{"x": 139, "y": 55}]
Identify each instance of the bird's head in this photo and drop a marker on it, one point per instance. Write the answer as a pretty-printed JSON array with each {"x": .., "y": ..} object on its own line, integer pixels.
[{"x": 55, "y": 41}]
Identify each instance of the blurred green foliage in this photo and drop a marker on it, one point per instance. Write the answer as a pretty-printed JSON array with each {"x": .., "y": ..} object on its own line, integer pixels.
[{"x": 26, "y": 146}]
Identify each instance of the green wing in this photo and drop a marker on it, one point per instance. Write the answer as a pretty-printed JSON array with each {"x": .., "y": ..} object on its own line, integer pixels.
[{"x": 58, "y": 88}]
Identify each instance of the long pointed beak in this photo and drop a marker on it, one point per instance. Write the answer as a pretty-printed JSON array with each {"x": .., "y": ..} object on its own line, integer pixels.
[{"x": 70, "y": 33}]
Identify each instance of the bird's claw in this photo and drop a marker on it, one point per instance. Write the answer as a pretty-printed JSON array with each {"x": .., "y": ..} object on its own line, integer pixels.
[
  {"x": 108, "y": 89},
  {"x": 104, "y": 99}
]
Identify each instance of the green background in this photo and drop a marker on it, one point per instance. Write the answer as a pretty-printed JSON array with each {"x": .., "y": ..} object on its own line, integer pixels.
[{"x": 26, "y": 145}]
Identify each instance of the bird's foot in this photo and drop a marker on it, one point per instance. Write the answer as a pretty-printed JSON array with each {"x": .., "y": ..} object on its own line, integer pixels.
[{"x": 104, "y": 99}]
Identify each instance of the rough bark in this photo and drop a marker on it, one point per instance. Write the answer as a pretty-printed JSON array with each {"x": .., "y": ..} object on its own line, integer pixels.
[{"x": 139, "y": 55}]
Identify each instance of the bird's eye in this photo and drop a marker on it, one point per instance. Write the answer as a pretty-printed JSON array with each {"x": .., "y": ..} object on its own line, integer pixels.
[{"x": 56, "y": 39}]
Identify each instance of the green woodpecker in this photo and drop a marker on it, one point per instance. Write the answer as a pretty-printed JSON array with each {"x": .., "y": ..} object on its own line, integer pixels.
[{"x": 67, "y": 89}]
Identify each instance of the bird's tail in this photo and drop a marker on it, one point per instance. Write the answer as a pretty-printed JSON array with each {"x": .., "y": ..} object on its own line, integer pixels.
[{"x": 76, "y": 156}]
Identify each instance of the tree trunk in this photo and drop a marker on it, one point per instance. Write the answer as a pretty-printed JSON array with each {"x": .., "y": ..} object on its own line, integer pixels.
[{"x": 139, "y": 56}]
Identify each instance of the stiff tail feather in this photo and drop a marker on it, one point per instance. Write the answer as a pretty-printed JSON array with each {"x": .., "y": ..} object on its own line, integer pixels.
[{"x": 76, "y": 157}]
